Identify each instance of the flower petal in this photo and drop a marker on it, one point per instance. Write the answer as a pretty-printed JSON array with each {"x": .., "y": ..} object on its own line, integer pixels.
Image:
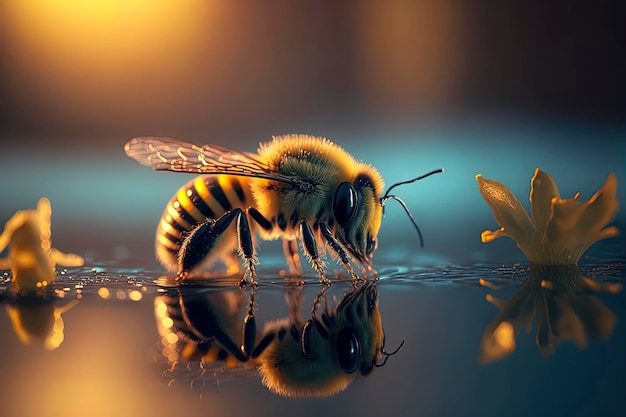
[
  {"x": 543, "y": 190},
  {"x": 510, "y": 215},
  {"x": 599, "y": 211},
  {"x": 558, "y": 241},
  {"x": 575, "y": 226}
]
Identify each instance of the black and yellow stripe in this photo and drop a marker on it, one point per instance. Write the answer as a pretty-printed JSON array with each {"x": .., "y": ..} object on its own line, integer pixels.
[{"x": 204, "y": 197}]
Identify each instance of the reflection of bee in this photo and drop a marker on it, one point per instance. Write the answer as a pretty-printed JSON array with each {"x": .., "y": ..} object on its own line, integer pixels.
[
  {"x": 297, "y": 187},
  {"x": 316, "y": 358}
]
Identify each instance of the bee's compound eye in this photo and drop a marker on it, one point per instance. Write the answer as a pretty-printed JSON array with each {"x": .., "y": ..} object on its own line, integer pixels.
[
  {"x": 345, "y": 204},
  {"x": 348, "y": 350}
]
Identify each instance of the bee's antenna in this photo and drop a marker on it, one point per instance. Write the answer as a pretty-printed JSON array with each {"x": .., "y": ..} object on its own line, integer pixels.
[
  {"x": 386, "y": 197},
  {"x": 403, "y": 204},
  {"x": 387, "y": 355},
  {"x": 436, "y": 171}
]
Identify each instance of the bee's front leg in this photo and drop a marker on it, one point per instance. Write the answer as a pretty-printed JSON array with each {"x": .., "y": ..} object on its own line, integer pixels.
[
  {"x": 339, "y": 250},
  {"x": 310, "y": 248}
]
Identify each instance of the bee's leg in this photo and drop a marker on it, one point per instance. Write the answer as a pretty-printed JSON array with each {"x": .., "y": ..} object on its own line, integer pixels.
[
  {"x": 310, "y": 248},
  {"x": 246, "y": 249},
  {"x": 290, "y": 249},
  {"x": 259, "y": 218},
  {"x": 339, "y": 250},
  {"x": 246, "y": 246},
  {"x": 200, "y": 241}
]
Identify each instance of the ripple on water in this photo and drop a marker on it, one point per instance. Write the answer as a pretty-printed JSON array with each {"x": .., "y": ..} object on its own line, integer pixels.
[{"x": 121, "y": 282}]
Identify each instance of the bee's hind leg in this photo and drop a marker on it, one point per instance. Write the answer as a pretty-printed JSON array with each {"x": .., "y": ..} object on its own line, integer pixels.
[
  {"x": 310, "y": 248},
  {"x": 201, "y": 240},
  {"x": 339, "y": 250}
]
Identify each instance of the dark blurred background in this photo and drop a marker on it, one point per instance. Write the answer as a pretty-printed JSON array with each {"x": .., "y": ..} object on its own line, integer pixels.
[{"x": 492, "y": 87}]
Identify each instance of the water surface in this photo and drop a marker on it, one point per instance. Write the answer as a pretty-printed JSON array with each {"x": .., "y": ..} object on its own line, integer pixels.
[{"x": 112, "y": 358}]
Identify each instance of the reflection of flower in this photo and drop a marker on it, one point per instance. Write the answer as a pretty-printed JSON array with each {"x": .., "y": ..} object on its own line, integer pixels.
[
  {"x": 36, "y": 317},
  {"x": 563, "y": 305},
  {"x": 560, "y": 229}
]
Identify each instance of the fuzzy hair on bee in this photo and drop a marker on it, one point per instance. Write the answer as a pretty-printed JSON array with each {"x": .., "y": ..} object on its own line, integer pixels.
[{"x": 297, "y": 188}]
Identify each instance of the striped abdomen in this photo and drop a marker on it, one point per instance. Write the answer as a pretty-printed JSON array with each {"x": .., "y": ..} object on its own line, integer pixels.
[{"x": 204, "y": 197}]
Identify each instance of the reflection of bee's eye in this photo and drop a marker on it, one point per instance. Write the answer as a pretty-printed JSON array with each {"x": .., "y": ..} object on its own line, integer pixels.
[
  {"x": 348, "y": 350},
  {"x": 345, "y": 204}
]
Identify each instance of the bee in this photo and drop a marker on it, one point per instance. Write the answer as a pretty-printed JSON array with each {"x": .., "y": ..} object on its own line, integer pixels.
[
  {"x": 296, "y": 188},
  {"x": 318, "y": 357}
]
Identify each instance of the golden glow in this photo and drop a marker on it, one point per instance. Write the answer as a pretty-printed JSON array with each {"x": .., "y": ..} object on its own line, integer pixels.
[
  {"x": 120, "y": 294},
  {"x": 504, "y": 336},
  {"x": 167, "y": 322},
  {"x": 78, "y": 49},
  {"x": 498, "y": 343},
  {"x": 160, "y": 308},
  {"x": 172, "y": 338},
  {"x": 135, "y": 295},
  {"x": 104, "y": 293}
]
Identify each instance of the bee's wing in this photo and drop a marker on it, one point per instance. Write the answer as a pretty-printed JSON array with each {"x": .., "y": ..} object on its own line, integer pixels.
[{"x": 168, "y": 154}]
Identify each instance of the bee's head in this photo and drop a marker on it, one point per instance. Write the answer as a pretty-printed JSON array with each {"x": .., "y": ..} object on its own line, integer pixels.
[
  {"x": 358, "y": 211},
  {"x": 358, "y": 208}
]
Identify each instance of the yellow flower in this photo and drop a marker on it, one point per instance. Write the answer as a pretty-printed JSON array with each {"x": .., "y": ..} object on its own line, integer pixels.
[
  {"x": 560, "y": 230},
  {"x": 31, "y": 257}
]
